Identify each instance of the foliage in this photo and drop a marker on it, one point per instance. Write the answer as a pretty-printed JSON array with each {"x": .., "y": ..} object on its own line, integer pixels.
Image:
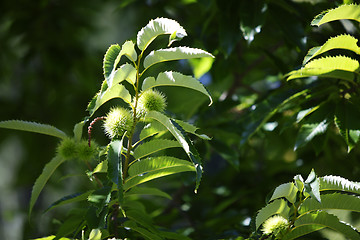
[
  {"x": 108, "y": 206},
  {"x": 50, "y": 68},
  {"x": 303, "y": 205}
]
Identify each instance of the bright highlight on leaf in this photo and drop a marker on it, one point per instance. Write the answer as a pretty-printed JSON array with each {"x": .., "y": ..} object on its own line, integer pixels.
[
  {"x": 175, "y": 79},
  {"x": 159, "y": 26},
  {"x": 170, "y": 54},
  {"x": 351, "y": 11}
]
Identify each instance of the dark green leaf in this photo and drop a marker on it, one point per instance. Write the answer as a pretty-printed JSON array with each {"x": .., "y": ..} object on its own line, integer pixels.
[
  {"x": 346, "y": 119},
  {"x": 114, "y": 169},
  {"x": 40, "y": 182},
  {"x": 76, "y": 197}
]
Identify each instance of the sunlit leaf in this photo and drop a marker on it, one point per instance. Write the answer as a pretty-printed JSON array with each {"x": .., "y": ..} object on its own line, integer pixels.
[
  {"x": 33, "y": 127},
  {"x": 112, "y": 58},
  {"x": 278, "y": 206},
  {"x": 117, "y": 91},
  {"x": 95, "y": 234},
  {"x": 147, "y": 191},
  {"x": 316, "y": 124},
  {"x": 312, "y": 185},
  {"x": 331, "y": 201},
  {"x": 124, "y": 72},
  {"x": 153, "y": 146},
  {"x": 315, "y": 221},
  {"x": 351, "y": 11},
  {"x": 152, "y": 168},
  {"x": 152, "y": 129},
  {"x": 286, "y": 190},
  {"x": 159, "y": 26},
  {"x": 176, "y": 53},
  {"x": 175, "y": 79},
  {"x": 344, "y": 41},
  {"x": 336, "y": 183},
  {"x": 176, "y": 130},
  {"x": 340, "y": 67},
  {"x": 191, "y": 129}
]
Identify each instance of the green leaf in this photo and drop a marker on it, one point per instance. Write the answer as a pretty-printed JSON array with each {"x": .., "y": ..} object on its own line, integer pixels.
[
  {"x": 336, "y": 183},
  {"x": 314, "y": 221},
  {"x": 115, "y": 166},
  {"x": 100, "y": 198},
  {"x": 95, "y": 234},
  {"x": 173, "y": 235},
  {"x": 331, "y": 201},
  {"x": 151, "y": 129},
  {"x": 78, "y": 130},
  {"x": 286, "y": 190},
  {"x": 159, "y": 26},
  {"x": 102, "y": 167},
  {"x": 278, "y": 206},
  {"x": 128, "y": 49},
  {"x": 76, "y": 197},
  {"x": 315, "y": 124},
  {"x": 73, "y": 223},
  {"x": 153, "y": 146},
  {"x": 110, "y": 60},
  {"x": 191, "y": 129},
  {"x": 143, "y": 219},
  {"x": 312, "y": 186},
  {"x": 50, "y": 238},
  {"x": 339, "y": 67},
  {"x": 33, "y": 127},
  {"x": 201, "y": 66},
  {"x": 40, "y": 182},
  {"x": 175, "y": 79},
  {"x": 147, "y": 191},
  {"x": 179, "y": 135},
  {"x": 263, "y": 111},
  {"x": 351, "y": 11},
  {"x": 145, "y": 233},
  {"x": 176, "y": 53},
  {"x": 124, "y": 72},
  {"x": 345, "y": 41},
  {"x": 346, "y": 119},
  {"x": 152, "y": 168},
  {"x": 302, "y": 230},
  {"x": 116, "y": 91},
  {"x": 114, "y": 161},
  {"x": 308, "y": 131}
]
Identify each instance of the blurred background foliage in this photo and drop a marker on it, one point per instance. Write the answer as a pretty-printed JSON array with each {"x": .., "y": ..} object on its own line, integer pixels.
[{"x": 51, "y": 65}]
